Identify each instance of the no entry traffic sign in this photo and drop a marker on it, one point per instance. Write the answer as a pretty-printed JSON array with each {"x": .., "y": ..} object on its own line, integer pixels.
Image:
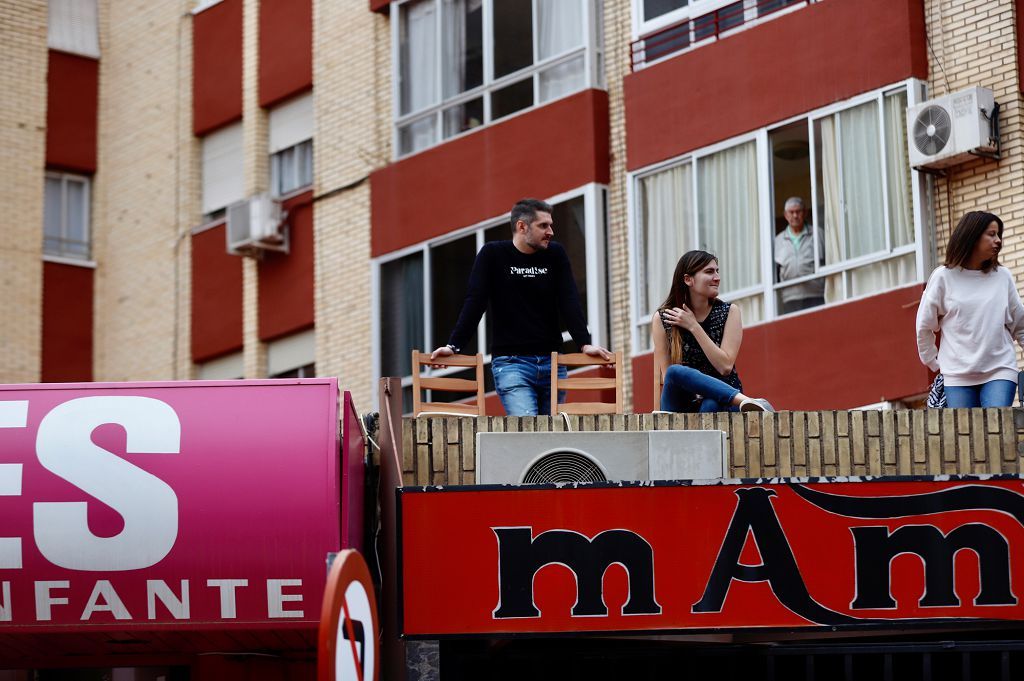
[{"x": 348, "y": 644}]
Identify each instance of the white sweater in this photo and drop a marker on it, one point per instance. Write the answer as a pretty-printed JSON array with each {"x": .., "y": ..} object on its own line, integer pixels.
[{"x": 979, "y": 314}]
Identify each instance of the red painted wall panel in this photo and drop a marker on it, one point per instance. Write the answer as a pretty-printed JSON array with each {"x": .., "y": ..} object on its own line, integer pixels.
[
  {"x": 286, "y": 281},
  {"x": 216, "y": 296},
  {"x": 839, "y": 357},
  {"x": 823, "y": 53},
  {"x": 379, "y": 5},
  {"x": 72, "y": 95},
  {"x": 540, "y": 153},
  {"x": 217, "y": 66},
  {"x": 67, "y": 323},
  {"x": 286, "y": 49}
]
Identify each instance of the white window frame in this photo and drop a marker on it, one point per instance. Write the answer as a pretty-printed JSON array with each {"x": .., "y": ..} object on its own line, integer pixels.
[
  {"x": 595, "y": 198},
  {"x": 276, "y": 163},
  {"x": 593, "y": 77},
  {"x": 64, "y": 256},
  {"x": 915, "y": 90},
  {"x": 694, "y": 10}
]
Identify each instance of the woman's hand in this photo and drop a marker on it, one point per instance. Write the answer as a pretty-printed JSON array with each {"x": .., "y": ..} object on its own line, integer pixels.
[{"x": 682, "y": 317}]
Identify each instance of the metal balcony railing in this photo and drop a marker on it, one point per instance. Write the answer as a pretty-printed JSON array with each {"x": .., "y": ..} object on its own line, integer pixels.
[{"x": 706, "y": 27}]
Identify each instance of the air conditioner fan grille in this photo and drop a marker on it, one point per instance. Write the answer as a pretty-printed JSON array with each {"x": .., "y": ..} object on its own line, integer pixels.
[
  {"x": 932, "y": 130},
  {"x": 564, "y": 466}
]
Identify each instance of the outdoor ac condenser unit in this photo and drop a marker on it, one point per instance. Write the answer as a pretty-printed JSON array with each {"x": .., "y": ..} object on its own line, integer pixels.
[
  {"x": 255, "y": 225},
  {"x": 952, "y": 129},
  {"x": 525, "y": 458}
]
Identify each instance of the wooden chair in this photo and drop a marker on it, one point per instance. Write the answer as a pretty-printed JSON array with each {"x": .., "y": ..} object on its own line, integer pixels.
[
  {"x": 579, "y": 359},
  {"x": 448, "y": 384},
  {"x": 659, "y": 384}
]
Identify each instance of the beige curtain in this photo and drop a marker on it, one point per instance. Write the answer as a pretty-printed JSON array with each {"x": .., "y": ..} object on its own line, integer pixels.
[
  {"x": 897, "y": 165},
  {"x": 830, "y": 196},
  {"x": 727, "y": 214},
  {"x": 667, "y": 203}
]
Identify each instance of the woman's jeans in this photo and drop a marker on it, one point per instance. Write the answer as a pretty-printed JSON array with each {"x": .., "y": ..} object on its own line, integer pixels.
[
  {"x": 523, "y": 383},
  {"x": 683, "y": 384},
  {"x": 998, "y": 393}
]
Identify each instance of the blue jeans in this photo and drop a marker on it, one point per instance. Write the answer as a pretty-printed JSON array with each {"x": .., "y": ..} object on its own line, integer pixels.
[
  {"x": 523, "y": 383},
  {"x": 998, "y": 393},
  {"x": 683, "y": 384}
]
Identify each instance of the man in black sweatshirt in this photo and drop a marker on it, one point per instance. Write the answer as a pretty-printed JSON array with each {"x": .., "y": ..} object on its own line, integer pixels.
[{"x": 527, "y": 282}]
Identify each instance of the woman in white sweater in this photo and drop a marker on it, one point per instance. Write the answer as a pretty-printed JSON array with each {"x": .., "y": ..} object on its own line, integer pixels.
[{"x": 974, "y": 303}]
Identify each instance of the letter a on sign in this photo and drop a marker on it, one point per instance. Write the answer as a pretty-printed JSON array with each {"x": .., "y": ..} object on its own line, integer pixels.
[{"x": 348, "y": 649}]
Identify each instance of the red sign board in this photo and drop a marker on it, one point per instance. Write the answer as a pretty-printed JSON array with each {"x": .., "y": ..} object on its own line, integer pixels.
[
  {"x": 642, "y": 557},
  {"x": 154, "y": 505}
]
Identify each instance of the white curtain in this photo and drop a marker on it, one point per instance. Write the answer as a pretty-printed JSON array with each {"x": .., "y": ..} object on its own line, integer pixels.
[
  {"x": 901, "y": 206},
  {"x": 667, "y": 202},
  {"x": 862, "y": 180},
  {"x": 727, "y": 214},
  {"x": 829, "y": 193},
  {"x": 455, "y": 39},
  {"x": 883, "y": 276},
  {"x": 560, "y": 23},
  {"x": 562, "y": 79},
  {"x": 419, "y": 56}
]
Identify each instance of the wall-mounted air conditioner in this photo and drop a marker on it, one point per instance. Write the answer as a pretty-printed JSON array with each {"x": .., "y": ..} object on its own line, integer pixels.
[
  {"x": 952, "y": 129},
  {"x": 255, "y": 225},
  {"x": 525, "y": 458}
]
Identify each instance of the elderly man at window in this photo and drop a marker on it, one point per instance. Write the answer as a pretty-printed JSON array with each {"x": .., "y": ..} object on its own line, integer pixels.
[{"x": 794, "y": 255}]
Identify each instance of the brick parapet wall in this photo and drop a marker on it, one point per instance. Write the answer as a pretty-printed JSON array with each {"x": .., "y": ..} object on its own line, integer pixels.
[{"x": 442, "y": 450}]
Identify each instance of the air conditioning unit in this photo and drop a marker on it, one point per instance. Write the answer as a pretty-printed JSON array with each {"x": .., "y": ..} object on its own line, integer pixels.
[
  {"x": 526, "y": 458},
  {"x": 952, "y": 129},
  {"x": 256, "y": 225}
]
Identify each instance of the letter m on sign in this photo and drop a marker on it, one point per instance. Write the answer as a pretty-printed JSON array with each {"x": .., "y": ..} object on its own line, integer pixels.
[{"x": 521, "y": 556}]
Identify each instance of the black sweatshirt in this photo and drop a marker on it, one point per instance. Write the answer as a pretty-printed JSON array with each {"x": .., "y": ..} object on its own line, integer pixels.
[{"x": 526, "y": 294}]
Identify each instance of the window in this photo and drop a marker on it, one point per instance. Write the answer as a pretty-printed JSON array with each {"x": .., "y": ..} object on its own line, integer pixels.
[
  {"x": 668, "y": 26},
  {"x": 292, "y": 356},
  {"x": 464, "y": 63},
  {"x": 66, "y": 232},
  {"x": 849, "y": 163},
  {"x": 223, "y": 168},
  {"x": 290, "y": 143},
  {"x": 72, "y": 27},
  {"x": 420, "y": 292},
  {"x": 227, "y": 368}
]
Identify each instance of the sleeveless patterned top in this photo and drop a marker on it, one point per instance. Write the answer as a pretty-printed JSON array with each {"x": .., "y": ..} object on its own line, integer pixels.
[{"x": 714, "y": 327}]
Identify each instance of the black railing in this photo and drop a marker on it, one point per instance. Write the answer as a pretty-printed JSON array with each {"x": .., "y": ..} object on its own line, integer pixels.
[{"x": 702, "y": 27}]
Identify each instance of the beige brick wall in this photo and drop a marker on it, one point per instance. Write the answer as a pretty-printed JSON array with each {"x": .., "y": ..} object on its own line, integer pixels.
[
  {"x": 617, "y": 36},
  {"x": 23, "y": 140},
  {"x": 145, "y": 191},
  {"x": 442, "y": 450},
  {"x": 975, "y": 43},
  {"x": 257, "y": 162},
  {"x": 352, "y": 101}
]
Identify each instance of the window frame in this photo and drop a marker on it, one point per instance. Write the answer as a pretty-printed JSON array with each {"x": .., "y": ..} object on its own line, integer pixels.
[
  {"x": 593, "y": 72},
  {"x": 276, "y": 161},
  {"x": 64, "y": 255},
  {"x": 595, "y": 197},
  {"x": 922, "y": 246}
]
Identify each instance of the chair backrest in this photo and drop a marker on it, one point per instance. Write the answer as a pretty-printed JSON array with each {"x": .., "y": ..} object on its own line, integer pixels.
[
  {"x": 659, "y": 383},
  {"x": 448, "y": 384},
  {"x": 579, "y": 359}
]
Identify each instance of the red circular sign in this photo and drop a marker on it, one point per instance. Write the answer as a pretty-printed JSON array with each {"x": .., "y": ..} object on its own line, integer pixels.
[{"x": 348, "y": 644}]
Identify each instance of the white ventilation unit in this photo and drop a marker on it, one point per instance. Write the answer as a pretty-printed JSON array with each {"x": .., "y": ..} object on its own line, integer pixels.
[
  {"x": 256, "y": 225},
  {"x": 952, "y": 129},
  {"x": 526, "y": 458}
]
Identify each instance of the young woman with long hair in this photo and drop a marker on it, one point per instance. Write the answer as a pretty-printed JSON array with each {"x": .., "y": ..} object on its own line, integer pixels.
[
  {"x": 974, "y": 303},
  {"x": 697, "y": 337}
]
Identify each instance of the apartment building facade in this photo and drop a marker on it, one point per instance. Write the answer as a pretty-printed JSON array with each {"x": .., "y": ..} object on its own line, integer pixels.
[{"x": 392, "y": 138}]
